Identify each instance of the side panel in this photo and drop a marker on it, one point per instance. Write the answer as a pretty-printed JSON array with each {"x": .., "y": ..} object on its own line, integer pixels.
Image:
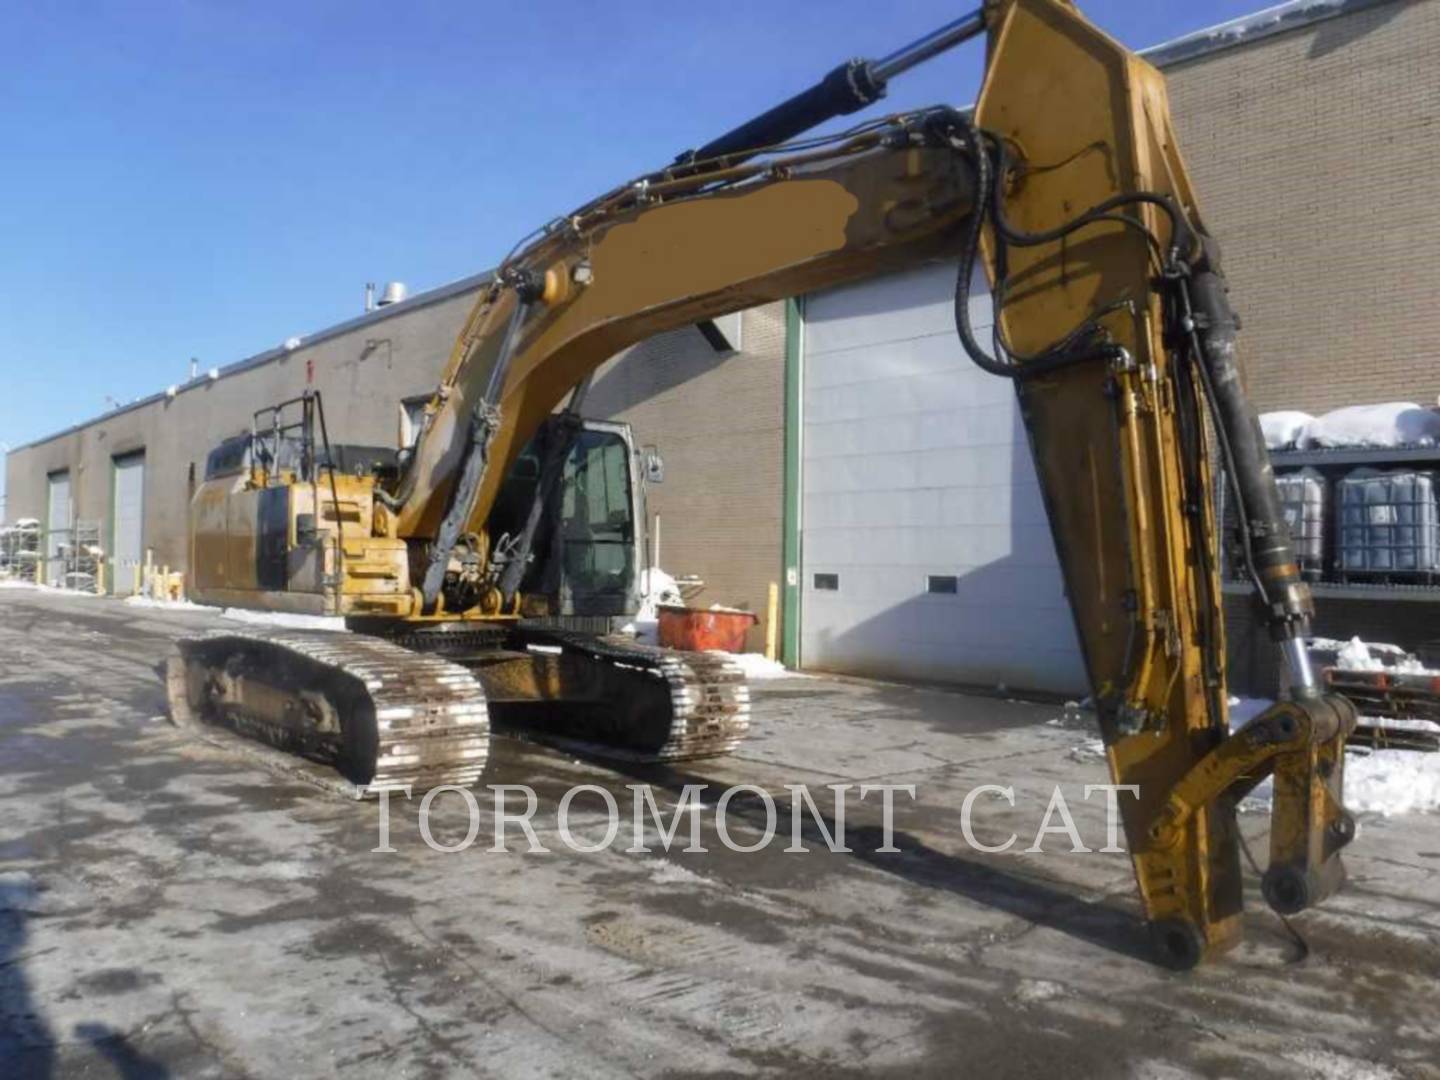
[
  {"x": 210, "y": 535},
  {"x": 242, "y": 516}
]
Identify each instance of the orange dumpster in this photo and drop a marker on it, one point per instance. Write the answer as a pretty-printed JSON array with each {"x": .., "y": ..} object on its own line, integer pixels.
[{"x": 698, "y": 629}]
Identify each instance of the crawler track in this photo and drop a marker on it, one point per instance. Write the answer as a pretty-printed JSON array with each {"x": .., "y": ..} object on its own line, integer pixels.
[
  {"x": 349, "y": 712},
  {"x": 616, "y": 698},
  {"x": 706, "y": 693}
]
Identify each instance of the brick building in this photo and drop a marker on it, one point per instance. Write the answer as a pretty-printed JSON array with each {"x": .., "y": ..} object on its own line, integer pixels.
[{"x": 807, "y": 456}]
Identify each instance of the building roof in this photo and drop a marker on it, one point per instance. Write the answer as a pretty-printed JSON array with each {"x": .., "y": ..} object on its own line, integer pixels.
[
  {"x": 369, "y": 318},
  {"x": 1249, "y": 29}
]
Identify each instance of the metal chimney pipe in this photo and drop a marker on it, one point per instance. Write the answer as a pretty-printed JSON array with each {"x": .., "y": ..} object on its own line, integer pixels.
[
  {"x": 369, "y": 296},
  {"x": 194, "y": 367}
]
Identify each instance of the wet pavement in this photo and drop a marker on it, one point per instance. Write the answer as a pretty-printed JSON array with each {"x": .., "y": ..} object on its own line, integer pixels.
[{"x": 168, "y": 908}]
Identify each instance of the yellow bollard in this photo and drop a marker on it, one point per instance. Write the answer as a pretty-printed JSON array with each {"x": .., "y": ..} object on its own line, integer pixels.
[
  {"x": 136, "y": 590},
  {"x": 772, "y": 613}
]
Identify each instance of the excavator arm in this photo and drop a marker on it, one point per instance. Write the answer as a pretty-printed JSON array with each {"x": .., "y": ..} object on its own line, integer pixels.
[{"x": 1112, "y": 321}]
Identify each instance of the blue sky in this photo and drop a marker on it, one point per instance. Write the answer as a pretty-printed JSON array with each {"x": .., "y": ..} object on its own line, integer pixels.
[{"x": 204, "y": 178}]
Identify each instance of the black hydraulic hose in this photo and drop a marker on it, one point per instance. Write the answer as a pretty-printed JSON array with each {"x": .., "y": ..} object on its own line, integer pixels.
[
  {"x": 1182, "y": 236},
  {"x": 1082, "y": 343}
]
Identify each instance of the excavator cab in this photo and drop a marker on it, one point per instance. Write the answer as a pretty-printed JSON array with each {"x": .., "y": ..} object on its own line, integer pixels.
[{"x": 590, "y": 544}]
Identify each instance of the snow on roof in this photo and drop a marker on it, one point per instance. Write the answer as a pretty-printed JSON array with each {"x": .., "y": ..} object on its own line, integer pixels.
[{"x": 1252, "y": 28}]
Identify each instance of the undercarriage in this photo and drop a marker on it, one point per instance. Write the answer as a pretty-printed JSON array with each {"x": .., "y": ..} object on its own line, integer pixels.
[{"x": 414, "y": 709}]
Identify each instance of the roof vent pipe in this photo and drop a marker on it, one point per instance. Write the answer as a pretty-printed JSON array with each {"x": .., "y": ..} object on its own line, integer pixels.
[
  {"x": 369, "y": 296},
  {"x": 194, "y": 367},
  {"x": 395, "y": 291}
]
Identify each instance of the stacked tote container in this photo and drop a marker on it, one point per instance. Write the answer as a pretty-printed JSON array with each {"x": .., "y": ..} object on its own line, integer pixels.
[
  {"x": 1302, "y": 501},
  {"x": 1387, "y": 525}
]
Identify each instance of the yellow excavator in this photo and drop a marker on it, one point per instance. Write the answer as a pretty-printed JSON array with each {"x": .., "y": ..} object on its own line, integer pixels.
[{"x": 1111, "y": 319}]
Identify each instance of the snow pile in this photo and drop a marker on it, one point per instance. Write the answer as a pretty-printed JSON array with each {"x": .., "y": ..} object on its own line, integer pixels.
[
  {"x": 656, "y": 588},
  {"x": 757, "y": 667},
  {"x": 1395, "y": 423},
  {"x": 1285, "y": 430},
  {"x": 1354, "y": 655},
  {"x": 1392, "y": 782},
  {"x": 1357, "y": 655},
  {"x": 1384, "y": 782}
]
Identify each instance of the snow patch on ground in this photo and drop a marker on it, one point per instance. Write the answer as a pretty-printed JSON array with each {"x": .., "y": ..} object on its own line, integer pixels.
[
  {"x": 757, "y": 667},
  {"x": 1385, "y": 782},
  {"x": 1327, "y": 1065},
  {"x": 244, "y": 615},
  {"x": 1389, "y": 783},
  {"x": 165, "y": 605},
  {"x": 1089, "y": 750},
  {"x": 1035, "y": 990},
  {"x": 664, "y": 872},
  {"x": 16, "y": 583},
  {"x": 286, "y": 619}
]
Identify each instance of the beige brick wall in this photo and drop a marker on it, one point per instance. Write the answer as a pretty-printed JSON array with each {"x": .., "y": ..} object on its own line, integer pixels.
[
  {"x": 1316, "y": 156},
  {"x": 362, "y": 375},
  {"x": 719, "y": 422}
]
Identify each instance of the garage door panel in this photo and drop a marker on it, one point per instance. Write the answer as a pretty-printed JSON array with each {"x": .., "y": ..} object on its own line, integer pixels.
[
  {"x": 933, "y": 354},
  {"x": 907, "y": 507},
  {"x": 994, "y": 504},
  {"x": 936, "y": 392},
  {"x": 910, "y": 433},
  {"x": 915, "y": 466},
  {"x": 918, "y": 546},
  {"x": 1053, "y": 670},
  {"x": 896, "y": 307}
]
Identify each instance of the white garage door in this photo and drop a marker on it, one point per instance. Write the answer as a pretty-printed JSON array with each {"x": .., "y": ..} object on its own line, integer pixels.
[
  {"x": 129, "y": 538},
  {"x": 57, "y": 526},
  {"x": 925, "y": 548}
]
